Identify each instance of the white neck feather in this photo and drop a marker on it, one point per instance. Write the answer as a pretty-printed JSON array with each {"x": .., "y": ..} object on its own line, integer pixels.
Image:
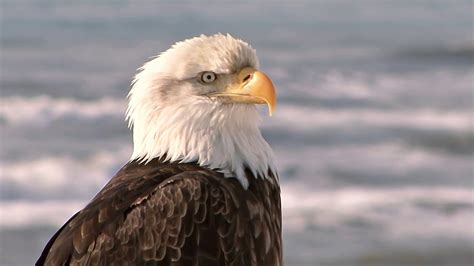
[{"x": 220, "y": 136}]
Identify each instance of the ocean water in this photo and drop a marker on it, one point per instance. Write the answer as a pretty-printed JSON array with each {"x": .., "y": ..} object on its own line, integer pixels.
[{"x": 373, "y": 133}]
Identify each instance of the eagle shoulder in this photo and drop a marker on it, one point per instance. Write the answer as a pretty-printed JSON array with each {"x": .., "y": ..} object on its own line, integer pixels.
[{"x": 185, "y": 215}]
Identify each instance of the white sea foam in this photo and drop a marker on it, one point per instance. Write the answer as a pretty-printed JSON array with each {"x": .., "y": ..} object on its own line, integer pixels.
[
  {"x": 62, "y": 176},
  {"x": 43, "y": 109},
  {"x": 380, "y": 165},
  {"x": 395, "y": 210},
  {"x": 402, "y": 212},
  {"x": 431, "y": 87},
  {"x": 23, "y": 213},
  {"x": 78, "y": 177},
  {"x": 307, "y": 118},
  {"x": 439, "y": 211}
]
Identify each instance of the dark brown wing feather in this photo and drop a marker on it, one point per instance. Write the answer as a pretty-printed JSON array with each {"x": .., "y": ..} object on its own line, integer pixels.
[{"x": 173, "y": 214}]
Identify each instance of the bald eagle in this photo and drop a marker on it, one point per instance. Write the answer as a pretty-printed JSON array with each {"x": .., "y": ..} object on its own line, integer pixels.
[{"x": 201, "y": 187}]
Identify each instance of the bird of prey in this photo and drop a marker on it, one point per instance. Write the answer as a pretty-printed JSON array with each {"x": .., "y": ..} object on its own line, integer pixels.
[{"x": 201, "y": 187}]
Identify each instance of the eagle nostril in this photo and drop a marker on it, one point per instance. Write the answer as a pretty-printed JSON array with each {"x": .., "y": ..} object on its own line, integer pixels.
[{"x": 247, "y": 78}]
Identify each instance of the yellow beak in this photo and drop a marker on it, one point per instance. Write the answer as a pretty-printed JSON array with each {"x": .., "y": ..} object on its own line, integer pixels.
[{"x": 252, "y": 86}]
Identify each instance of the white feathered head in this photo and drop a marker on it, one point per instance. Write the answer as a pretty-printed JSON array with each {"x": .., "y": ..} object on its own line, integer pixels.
[{"x": 196, "y": 102}]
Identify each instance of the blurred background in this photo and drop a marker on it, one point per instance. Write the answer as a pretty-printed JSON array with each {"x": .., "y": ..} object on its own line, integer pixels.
[{"x": 373, "y": 132}]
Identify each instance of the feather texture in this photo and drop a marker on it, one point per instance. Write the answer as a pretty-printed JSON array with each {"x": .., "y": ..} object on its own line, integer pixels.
[
  {"x": 172, "y": 119},
  {"x": 162, "y": 213},
  {"x": 171, "y": 204}
]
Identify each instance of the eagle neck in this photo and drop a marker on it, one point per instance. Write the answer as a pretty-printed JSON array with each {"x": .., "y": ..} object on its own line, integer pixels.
[{"x": 222, "y": 137}]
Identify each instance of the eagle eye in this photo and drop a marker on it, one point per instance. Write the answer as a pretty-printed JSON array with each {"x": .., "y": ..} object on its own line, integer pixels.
[{"x": 208, "y": 77}]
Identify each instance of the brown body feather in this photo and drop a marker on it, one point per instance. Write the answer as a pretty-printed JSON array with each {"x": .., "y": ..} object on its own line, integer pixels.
[{"x": 173, "y": 214}]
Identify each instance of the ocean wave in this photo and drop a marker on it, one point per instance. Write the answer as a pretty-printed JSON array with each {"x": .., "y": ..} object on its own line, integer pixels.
[
  {"x": 443, "y": 89},
  {"x": 44, "y": 109},
  {"x": 24, "y": 213},
  {"x": 438, "y": 211},
  {"x": 306, "y": 118},
  {"x": 47, "y": 191},
  {"x": 462, "y": 52},
  {"x": 60, "y": 176},
  {"x": 382, "y": 165},
  {"x": 377, "y": 165}
]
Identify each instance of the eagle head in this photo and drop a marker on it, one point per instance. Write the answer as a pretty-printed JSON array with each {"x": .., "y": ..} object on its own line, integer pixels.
[{"x": 196, "y": 102}]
